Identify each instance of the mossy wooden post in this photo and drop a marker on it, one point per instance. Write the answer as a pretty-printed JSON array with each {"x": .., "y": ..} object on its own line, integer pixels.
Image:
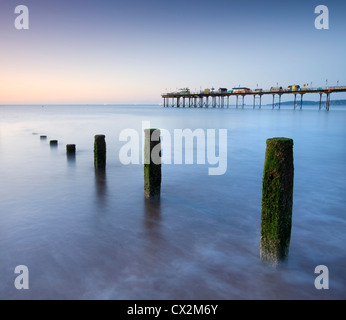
[
  {"x": 71, "y": 149},
  {"x": 277, "y": 200},
  {"x": 152, "y": 164},
  {"x": 100, "y": 152},
  {"x": 53, "y": 143}
]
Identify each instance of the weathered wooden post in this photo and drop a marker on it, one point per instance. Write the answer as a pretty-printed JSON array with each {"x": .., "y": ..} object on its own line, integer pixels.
[
  {"x": 53, "y": 143},
  {"x": 100, "y": 152},
  {"x": 71, "y": 149},
  {"x": 43, "y": 137},
  {"x": 277, "y": 200},
  {"x": 152, "y": 164}
]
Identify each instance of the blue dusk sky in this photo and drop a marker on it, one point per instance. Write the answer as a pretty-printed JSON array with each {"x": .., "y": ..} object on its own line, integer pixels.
[{"x": 132, "y": 51}]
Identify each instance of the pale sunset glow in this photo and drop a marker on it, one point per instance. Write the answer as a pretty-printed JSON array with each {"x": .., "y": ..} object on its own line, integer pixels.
[{"x": 131, "y": 52}]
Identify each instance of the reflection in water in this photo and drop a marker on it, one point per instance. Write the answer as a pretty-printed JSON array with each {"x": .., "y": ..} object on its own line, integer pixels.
[
  {"x": 152, "y": 213},
  {"x": 152, "y": 223},
  {"x": 71, "y": 160},
  {"x": 101, "y": 186}
]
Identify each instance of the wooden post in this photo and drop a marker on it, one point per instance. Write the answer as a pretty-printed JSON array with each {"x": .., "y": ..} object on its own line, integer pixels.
[
  {"x": 152, "y": 164},
  {"x": 71, "y": 149},
  {"x": 277, "y": 200},
  {"x": 100, "y": 152},
  {"x": 53, "y": 143}
]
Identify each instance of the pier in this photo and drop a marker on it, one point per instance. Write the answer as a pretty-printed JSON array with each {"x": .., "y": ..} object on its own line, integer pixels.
[{"x": 220, "y": 99}]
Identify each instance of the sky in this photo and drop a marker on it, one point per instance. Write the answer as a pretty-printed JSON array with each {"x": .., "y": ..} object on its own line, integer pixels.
[{"x": 110, "y": 52}]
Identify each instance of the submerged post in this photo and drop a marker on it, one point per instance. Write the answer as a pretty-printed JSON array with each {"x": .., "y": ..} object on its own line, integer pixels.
[
  {"x": 71, "y": 149},
  {"x": 100, "y": 152},
  {"x": 152, "y": 164},
  {"x": 53, "y": 143},
  {"x": 277, "y": 200}
]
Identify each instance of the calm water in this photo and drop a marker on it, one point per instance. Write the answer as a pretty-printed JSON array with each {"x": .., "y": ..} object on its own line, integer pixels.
[{"x": 90, "y": 236}]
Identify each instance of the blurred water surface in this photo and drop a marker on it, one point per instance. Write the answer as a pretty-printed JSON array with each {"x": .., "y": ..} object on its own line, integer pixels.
[{"x": 91, "y": 235}]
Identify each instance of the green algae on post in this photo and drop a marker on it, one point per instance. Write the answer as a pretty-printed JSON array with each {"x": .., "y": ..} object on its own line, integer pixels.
[
  {"x": 152, "y": 164},
  {"x": 277, "y": 200},
  {"x": 100, "y": 152}
]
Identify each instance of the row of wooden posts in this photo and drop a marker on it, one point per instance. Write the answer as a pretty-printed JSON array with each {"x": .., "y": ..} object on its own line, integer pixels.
[{"x": 277, "y": 193}]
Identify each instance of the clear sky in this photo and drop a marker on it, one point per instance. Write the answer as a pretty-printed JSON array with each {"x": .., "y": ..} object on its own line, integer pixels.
[{"x": 131, "y": 51}]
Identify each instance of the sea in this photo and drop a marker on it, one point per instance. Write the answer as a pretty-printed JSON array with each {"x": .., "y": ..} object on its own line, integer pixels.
[{"x": 84, "y": 234}]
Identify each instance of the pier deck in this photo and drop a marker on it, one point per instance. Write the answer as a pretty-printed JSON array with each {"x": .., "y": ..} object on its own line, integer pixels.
[{"x": 216, "y": 99}]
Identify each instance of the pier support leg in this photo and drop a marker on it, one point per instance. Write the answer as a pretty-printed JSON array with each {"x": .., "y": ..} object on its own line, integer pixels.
[
  {"x": 237, "y": 102},
  {"x": 254, "y": 101},
  {"x": 100, "y": 152},
  {"x": 295, "y": 101},
  {"x": 273, "y": 101},
  {"x": 279, "y": 101},
  {"x": 152, "y": 166},
  {"x": 260, "y": 106},
  {"x": 277, "y": 200},
  {"x": 320, "y": 106},
  {"x": 301, "y": 101},
  {"x": 328, "y": 101}
]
